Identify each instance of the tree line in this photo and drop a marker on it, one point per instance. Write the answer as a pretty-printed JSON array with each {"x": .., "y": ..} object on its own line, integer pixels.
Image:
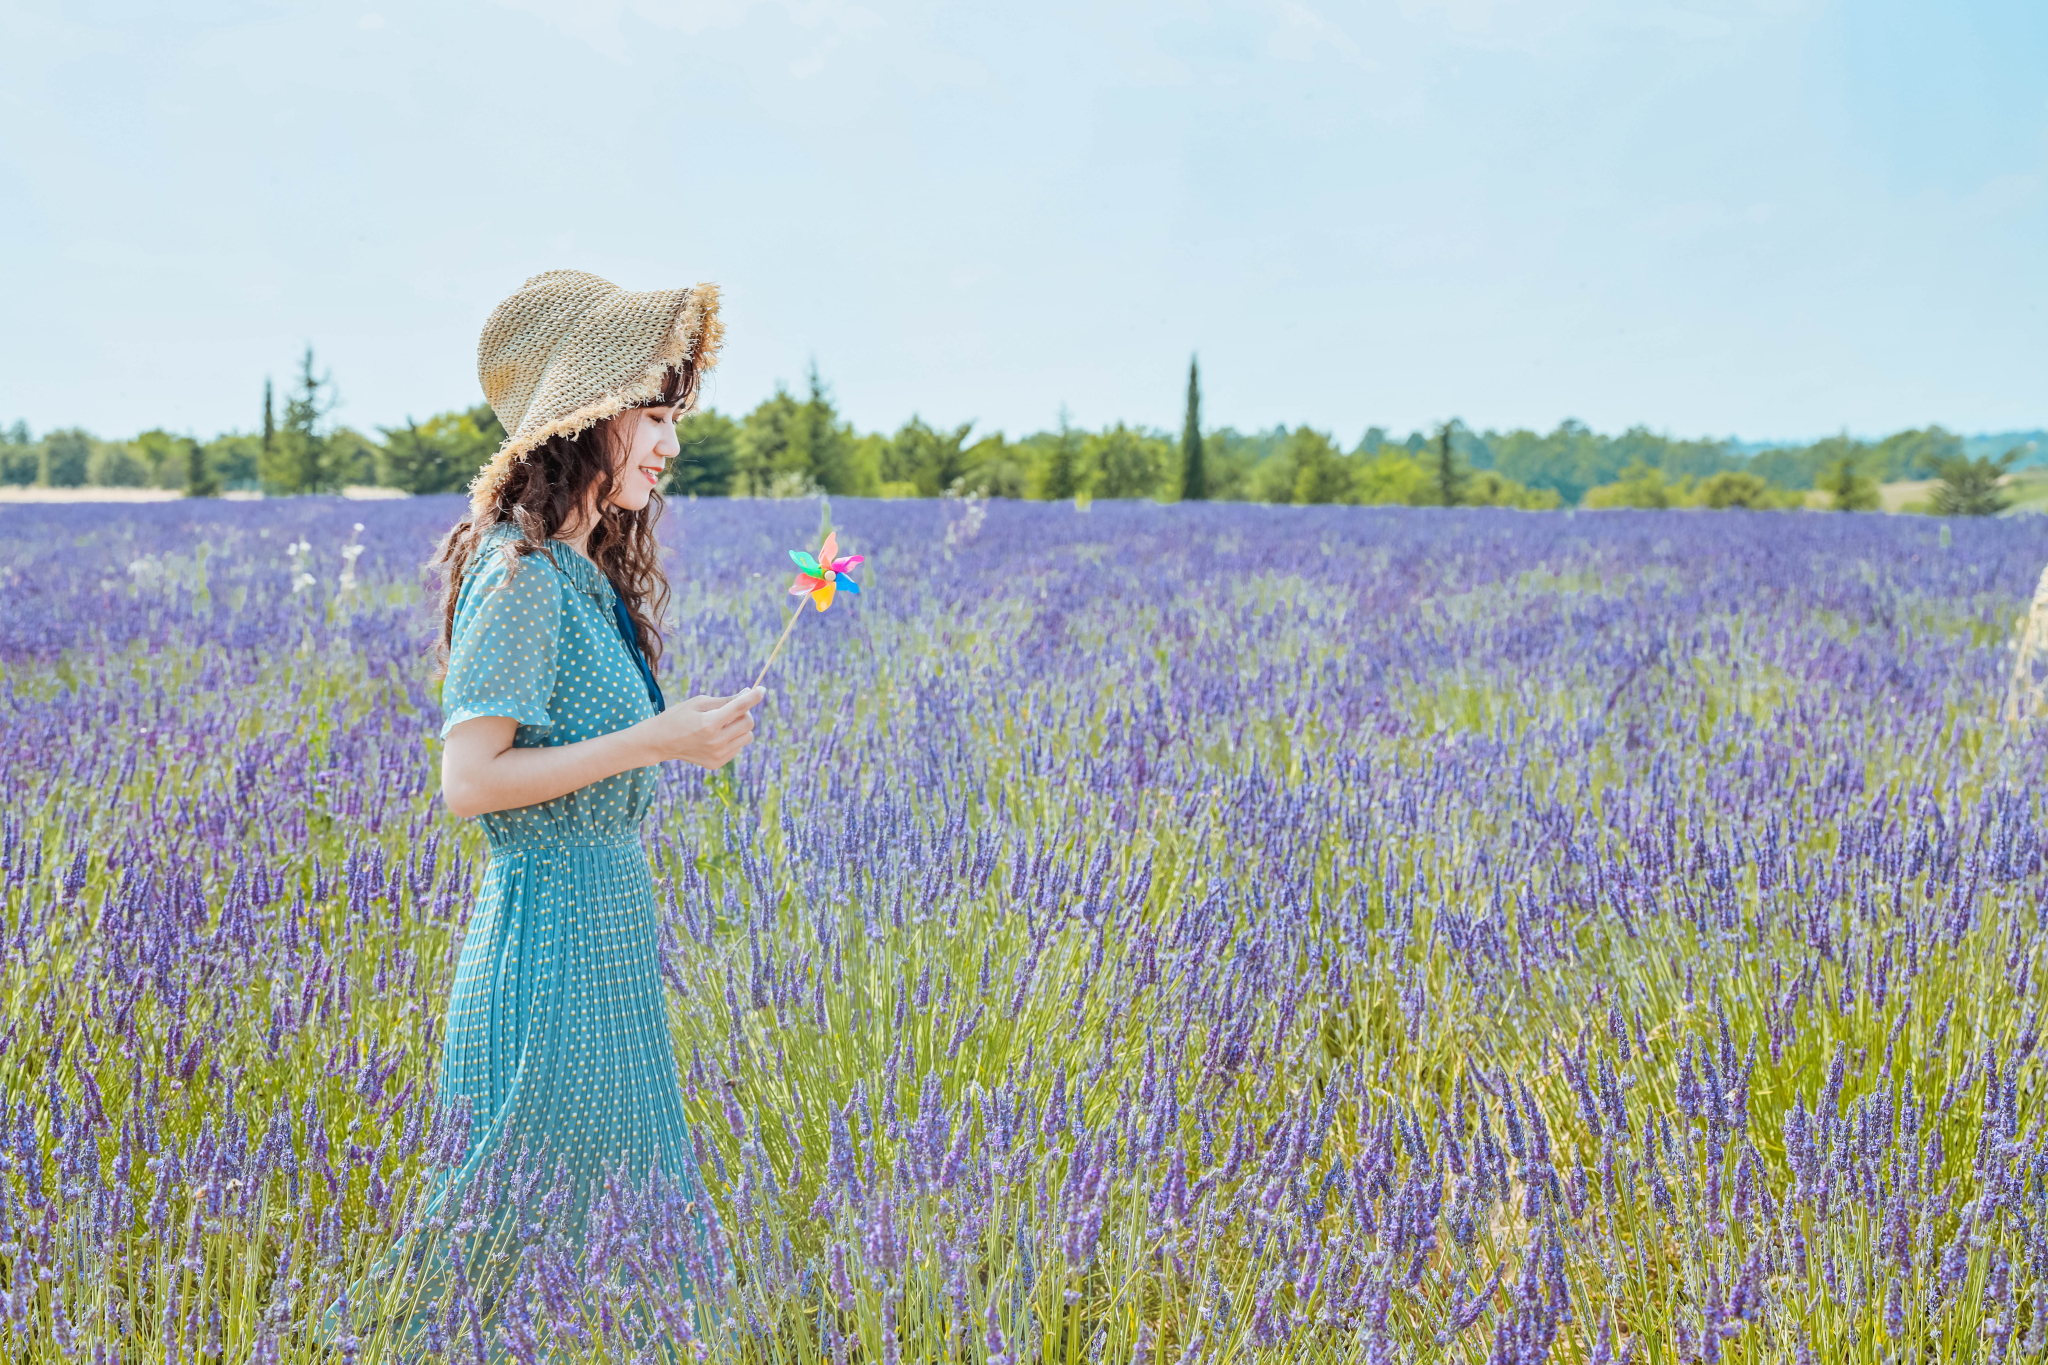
[{"x": 797, "y": 443}]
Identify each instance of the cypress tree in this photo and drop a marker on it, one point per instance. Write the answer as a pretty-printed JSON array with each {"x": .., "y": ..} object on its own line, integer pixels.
[
  {"x": 199, "y": 480},
  {"x": 269, "y": 420},
  {"x": 1450, "y": 481},
  {"x": 1194, "y": 480}
]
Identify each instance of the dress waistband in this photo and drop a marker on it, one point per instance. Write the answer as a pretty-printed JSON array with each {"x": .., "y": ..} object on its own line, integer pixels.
[{"x": 559, "y": 843}]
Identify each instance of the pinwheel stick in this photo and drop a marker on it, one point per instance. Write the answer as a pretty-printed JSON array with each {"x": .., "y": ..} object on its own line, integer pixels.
[{"x": 778, "y": 644}]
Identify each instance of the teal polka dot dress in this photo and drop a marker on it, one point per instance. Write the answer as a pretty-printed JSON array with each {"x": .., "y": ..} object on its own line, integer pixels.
[{"x": 558, "y": 1035}]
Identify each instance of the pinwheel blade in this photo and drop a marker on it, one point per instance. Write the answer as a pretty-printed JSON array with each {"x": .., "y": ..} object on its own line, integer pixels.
[
  {"x": 822, "y": 595},
  {"x": 806, "y": 563},
  {"x": 829, "y": 548},
  {"x": 846, "y": 584}
]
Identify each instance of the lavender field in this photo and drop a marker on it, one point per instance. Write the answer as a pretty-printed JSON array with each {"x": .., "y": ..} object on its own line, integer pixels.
[{"x": 1142, "y": 934}]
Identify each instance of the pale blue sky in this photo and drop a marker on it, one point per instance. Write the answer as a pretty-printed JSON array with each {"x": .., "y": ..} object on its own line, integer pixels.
[{"x": 1771, "y": 219}]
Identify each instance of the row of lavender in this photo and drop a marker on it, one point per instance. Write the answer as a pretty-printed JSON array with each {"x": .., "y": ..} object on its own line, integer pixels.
[{"x": 1162, "y": 934}]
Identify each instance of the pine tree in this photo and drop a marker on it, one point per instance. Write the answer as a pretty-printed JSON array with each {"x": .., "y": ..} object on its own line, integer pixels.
[
  {"x": 1064, "y": 476},
  {"x": 415, "y": 461},
  {"x": 295, "y": 451},
  {"x": 1194, "y": 480},
  {"x": 1851, "y": 490},
  {"x": 822, "y": 445},
  {"x": 1970, "y": 488},
  {"x": 703, "y": 467},
  {"x": 302, "y": 414},
  {"x": 765, "y": 439}
]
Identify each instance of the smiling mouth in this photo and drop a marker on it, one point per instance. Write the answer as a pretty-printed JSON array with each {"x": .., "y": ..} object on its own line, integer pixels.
[{"x": 653, "y": 472}]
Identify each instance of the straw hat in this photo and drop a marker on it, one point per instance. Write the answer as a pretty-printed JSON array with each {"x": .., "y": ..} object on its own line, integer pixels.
[{"x": 570, "y": 349}]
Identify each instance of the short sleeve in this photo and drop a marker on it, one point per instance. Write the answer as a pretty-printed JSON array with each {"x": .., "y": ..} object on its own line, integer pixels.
[{"x": 501, "y": 661}]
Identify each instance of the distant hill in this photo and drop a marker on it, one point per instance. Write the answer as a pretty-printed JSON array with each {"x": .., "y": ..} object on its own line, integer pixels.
[
  {"x": 1990, "y": 444},
  {"x": 2033, "y": 445}
]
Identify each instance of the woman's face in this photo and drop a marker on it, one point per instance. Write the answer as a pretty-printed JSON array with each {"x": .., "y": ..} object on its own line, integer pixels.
[{"x": 645, "y": 439}]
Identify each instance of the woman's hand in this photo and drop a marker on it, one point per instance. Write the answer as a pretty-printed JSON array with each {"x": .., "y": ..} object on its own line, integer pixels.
[
  {"x": 706, "y": 731},
  {"x": 482, "y": 772}
]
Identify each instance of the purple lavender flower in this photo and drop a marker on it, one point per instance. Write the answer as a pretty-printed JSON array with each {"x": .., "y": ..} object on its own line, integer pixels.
[{"x": 997, "y": 1344}]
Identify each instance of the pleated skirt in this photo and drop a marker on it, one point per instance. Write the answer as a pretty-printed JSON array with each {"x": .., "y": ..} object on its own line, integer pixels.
[
  {"x": 558, "y": 1029},
  {"x": 558, "y": 1043}
]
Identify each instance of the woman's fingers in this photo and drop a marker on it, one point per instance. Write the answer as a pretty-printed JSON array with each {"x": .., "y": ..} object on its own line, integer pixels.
[
  {"x": 743, "y": 702},
  {"x": 737, "y": 715},
  {"x": 715, "y": 729},
  {"x": 727, "y": 750},
  {"x": 729, "y": 727}
]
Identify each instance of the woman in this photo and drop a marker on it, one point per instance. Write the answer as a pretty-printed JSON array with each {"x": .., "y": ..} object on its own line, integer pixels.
[{"x": 558, "y": 1038}]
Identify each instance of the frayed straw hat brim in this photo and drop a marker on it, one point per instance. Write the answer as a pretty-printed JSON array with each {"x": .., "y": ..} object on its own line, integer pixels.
[{"x": 570, "y": 349}]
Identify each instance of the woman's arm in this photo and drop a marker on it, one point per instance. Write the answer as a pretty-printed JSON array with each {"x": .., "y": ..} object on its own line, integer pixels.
[{"x": 482, "y": 772}]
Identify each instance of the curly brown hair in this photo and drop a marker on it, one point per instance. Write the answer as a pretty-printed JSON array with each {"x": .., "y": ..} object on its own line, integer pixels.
[{"x": 546, "y": 490}]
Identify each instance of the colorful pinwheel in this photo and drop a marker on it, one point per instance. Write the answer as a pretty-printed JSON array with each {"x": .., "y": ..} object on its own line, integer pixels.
[{"x": 821, "y": 576}]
